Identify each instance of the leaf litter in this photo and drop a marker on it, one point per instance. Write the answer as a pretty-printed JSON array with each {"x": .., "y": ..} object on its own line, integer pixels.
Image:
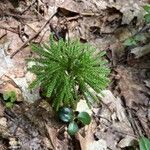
[{"x": 123, "y": 114}]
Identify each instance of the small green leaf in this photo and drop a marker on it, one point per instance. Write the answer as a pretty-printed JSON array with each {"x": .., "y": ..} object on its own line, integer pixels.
[
  {"x": 6, "y": 96},
  {"x": 147, "y": 18},
  {"x": 139, "y": 38},
  {"x": 73, "y": 128},
  {"x": 12, "y": 96},
  {"x": 65, "y": 117},
  {"x": 144, "y": 143},
  {"x": 65, "y": 114},
  {"x": 147, "y": 8},
  {"x": 9, "y": 105},
  {"x": 130, "y": 42},
  {"x": 84, "y": 117},
  {"x": 9, "y": 96}
]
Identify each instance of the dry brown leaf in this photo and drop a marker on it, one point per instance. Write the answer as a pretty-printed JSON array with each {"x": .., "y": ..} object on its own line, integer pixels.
[
  {"x": 82, "y": 106},
  {"x": 87, "y": 141},
  {"x": 5, "y": 62},
  {"x": 23, "y": 84},
  {"x": 135, "y": 97},
  {"x": 113, "y": 120},
  {"x": 4, "y": 127},
  {"x": 127, "y": 142},
  {"x": 1, "y": 109},
  {"x": 3, "y": 122},
  {"x": 141, "y": 51},
  {"x": 130, "y": 9},
  {"x": 55, "y": 142},
  {"x": 114, "y": 105},
  {"x": 129, "y": 87},
  {"x": 147, "y": 83}
]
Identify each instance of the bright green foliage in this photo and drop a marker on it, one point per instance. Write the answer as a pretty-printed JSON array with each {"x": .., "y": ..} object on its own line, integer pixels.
[
  {"x": 73, "y": 128},
  {"x": 147, "y": 8},
  {"x": 66, "y": 70},
  {"x": 134, "y": 40},
  {"x": 139, "y": 37},
  {"x": 10, "y": 98},
  {"x": 144, "y": 143},
  {"x": 84, "y": 117},
  {"x": 74, "y": 118},
  {"x": 130, "y": 42},
  {"x": 65, "y": 114},
  {"x": 147, "y": 16}
]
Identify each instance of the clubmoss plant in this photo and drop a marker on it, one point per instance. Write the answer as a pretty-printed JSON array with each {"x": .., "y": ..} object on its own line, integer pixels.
[{"x": 66, "y": 70}]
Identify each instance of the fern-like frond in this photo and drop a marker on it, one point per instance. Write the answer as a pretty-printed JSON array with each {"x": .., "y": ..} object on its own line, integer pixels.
[{"x": 62, "y": 66}]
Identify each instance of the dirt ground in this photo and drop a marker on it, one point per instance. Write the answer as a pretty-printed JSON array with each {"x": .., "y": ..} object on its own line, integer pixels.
[{"x": 124, "y": 114}]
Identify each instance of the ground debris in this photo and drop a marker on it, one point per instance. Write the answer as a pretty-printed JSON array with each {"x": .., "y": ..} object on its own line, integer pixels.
[{"x": 123, "y": 114}]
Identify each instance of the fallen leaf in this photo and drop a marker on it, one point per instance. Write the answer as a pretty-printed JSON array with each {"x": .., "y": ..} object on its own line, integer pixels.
[
  {"x": 130, "y": 10},
  {"x": 23, "y": 84},
  {"x": 3, "y": 122},
  {"x": 88, "y": 139},
  {"x": 6, "y": 62},
  {"x": 130, "y": 88},
  {"x": 55, "y": 142},
  {"x": 1, "y": 109},
  {"x": 82, "y": 106},
  {"x": 111, "y": 108},
  {"x": 147, "y": 83},
  {"x": 98, "y": 145},
  {"x": 127, "y": 141},
  {"x": 141, "y": 51}
]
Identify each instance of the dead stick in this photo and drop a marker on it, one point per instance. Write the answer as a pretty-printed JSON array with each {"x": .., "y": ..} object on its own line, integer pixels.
[
  {"x": 16, "y": 16},
  {"x": 3, "y": 36},
  {"x": 9, "y": 29},
  {"x": 28, "y": 7},
  {"x": 32, "y": 37}
]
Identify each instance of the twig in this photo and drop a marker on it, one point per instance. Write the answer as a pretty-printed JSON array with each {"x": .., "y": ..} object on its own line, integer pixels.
[
  {"x": 16, "y": 16},
  {"x": 70, "y": 19},
  {"x": 43, "y": 36},
  {"x": 62, "y": 128},
  {"x": 55, "y": 32},
  {"x": 135, "y": 136},
  {"x": 132, "y": 122},
  {"x": 29, "y": 26},
  {"x": 28, "y": 7},
  {"x": 143, "y": 29},
  {"x": 9, "y": 29},
  {"x": 113, "y": 129},
  {"x": 89, "y": 14},
  {"x": 32, "y": 37},
  {"x": 3, "y": 35},
  {"x": 36, "y": 11}
]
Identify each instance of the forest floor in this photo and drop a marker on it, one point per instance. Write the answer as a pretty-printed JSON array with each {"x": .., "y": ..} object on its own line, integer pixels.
[{"x": 124, "y": 114}]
